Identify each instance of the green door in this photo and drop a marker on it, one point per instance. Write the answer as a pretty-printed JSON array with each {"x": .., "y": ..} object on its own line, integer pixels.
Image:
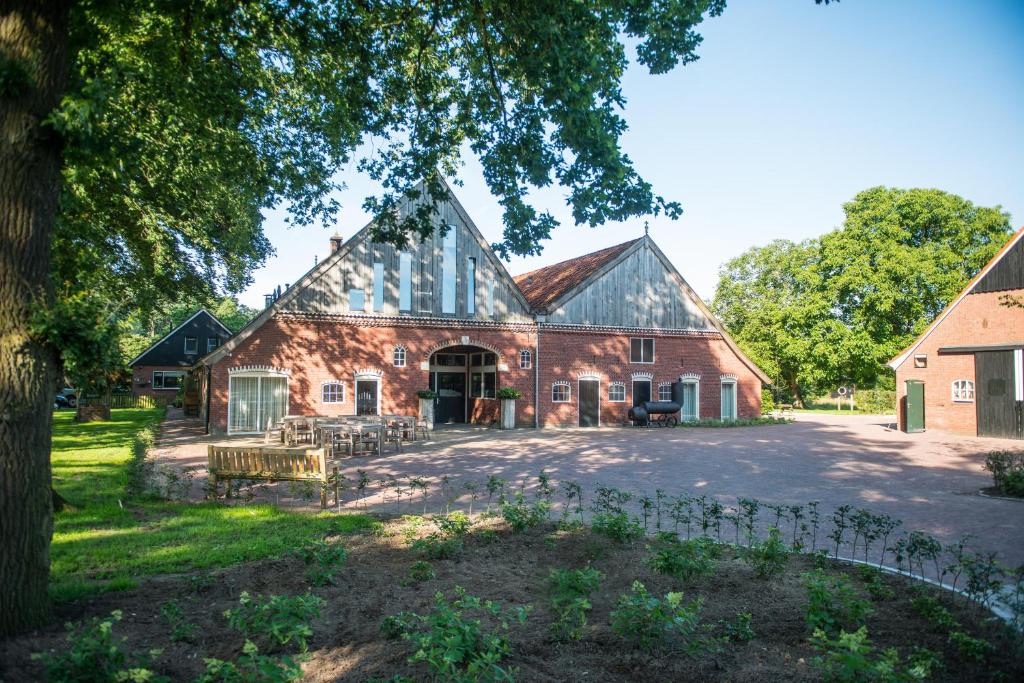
[{"x": 915, "y": 406}]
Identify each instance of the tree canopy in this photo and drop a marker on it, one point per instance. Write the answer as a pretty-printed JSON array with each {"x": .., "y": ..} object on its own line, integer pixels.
[{"x": 836, "y": 308}]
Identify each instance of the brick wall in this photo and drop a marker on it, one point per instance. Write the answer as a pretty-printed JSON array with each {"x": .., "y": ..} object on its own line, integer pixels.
[
  {"x": 314, "y": 351},
  {"x": 566, "y": 355},
  {"x": 142, "y": 381},
  {"x": 979, "y": 319}
]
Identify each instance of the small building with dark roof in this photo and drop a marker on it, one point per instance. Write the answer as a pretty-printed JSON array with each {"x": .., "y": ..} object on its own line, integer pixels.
[{"x": 160, "y": 370}]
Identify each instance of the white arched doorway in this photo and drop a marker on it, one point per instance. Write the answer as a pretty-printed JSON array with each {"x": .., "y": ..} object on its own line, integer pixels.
[{"x": 465, "y": 378}]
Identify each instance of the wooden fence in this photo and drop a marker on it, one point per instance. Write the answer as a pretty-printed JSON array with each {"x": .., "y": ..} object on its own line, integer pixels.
[
  {"x": 124, "y": 401},
  {"x": 272, "y": 464}
]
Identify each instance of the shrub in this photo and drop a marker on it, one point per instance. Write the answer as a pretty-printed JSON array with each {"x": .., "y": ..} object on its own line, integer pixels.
[
  {"x": 767, "y": 401},
  {"x": 832, "y": 603},
  {"x": 437, "y": 547},
  {"x": 1007, "y": 468},
  {"x": 929, "y": 608},
  {"x": 454, "y": 524},
  {"x": 768, "y": 556},
  {"x": 322, "y": 559},
  {"x": 876, "y": 401},
  {"x": 977, "y": 649},
  {"x": 741, "y": 630},
  {"x": 509, "y": 392},
  {"x": 426, "y": 393},
  {"x": 851, "y": 658},
  {"x": 872, "y": 578},
  {"x": 522, "y": 515},
  {"x": 94, "y": 655},
  {"x": 684, "y": 560},
  {"x": 651, "y": 623},
  {"x": 277, "y": 620},
  {"x": 617, "y": 526},
  {"x": 570, "y": 591},
  {"x": 251, "y": 667},
  {"x": 419, "y": 572},
  {"x": 181, "y": 630},
  {"x": 453, "y": 646}
]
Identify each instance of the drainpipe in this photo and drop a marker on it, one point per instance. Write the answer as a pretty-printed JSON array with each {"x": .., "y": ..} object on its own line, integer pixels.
[{"x": 536, "y": 380}]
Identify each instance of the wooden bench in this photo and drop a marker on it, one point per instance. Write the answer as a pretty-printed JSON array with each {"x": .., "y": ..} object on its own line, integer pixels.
[{"x": 272, "y": 464}]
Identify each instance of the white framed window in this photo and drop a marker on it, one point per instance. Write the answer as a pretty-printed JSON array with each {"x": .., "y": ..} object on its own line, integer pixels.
[
  {"x": 490, "y": 298},
  {"x": 191, "y": 344},
  {"x": 167, "y": 379},
  {"x": 356, "y": 299},
  {"x": 398, "y": 357},
  {"x": 921, "y": 360},
  {"x": 728, "y": 398},
  {"x": 525, "y": 359},
  {"x": 378, "y": 286},
  {"x": 405, "y": 281},
  {"x": 691, "y": 399},
  {"x": 561, "y": 392},
  {"x": 963, "y": 391},
  {"x": 212, "y": 343},
  {"x": 256, "y": 399},
  {"x": 617, "y": 392},
  {"x": 332, "y": 392},
  {"x": 448, "y": 269},
  {"x": 641, "y": 350},
  {"x": 470, "y": 285},
  {"x": 664, "y": 391}
]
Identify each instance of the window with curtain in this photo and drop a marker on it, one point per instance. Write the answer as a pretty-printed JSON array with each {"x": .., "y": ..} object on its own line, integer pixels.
[
  {"x": 691, "y": 401},
  {"x": 256, "y": 400},
  {"x": 728, "y": 400}
]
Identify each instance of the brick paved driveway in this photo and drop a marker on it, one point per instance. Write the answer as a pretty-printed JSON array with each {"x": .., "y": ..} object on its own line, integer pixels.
[{"x": 929, "y": 480}]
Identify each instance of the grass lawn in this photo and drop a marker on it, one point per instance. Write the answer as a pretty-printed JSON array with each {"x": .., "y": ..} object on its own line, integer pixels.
[{"x": 107, "y": 542}]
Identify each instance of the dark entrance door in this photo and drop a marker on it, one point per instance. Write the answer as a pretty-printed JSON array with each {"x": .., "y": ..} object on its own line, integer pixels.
[
  {"x": 366, "y": 396},
  {"x": 999, "y": 413},
  {"x": 641, "y": 391},
  {"x": 914, "y": 406},
  {"x": 451, "y": 397},
  {"x": 590, "y": 403}
]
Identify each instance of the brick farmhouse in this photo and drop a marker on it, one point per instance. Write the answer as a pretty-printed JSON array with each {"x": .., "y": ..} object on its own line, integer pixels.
[
  {"x": 965, "y": 373},
  {"x": 582, "y": 340},
  {"x": 161, "y": 369}
]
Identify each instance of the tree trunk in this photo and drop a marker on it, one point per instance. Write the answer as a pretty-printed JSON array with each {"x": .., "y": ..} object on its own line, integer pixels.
[
  {"x": 794, "y": 389},
  {"x": 33, "y": 73}
]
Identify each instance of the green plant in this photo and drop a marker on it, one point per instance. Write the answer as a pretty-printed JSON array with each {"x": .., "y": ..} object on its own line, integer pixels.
[
  {"x": 976, "y": 649},
  {"x": 419, "y": 572},
  {"x": 618, "y": 526},
  {"x": 1007, "y": 468},
  {"x": 182, "y": 631},
  {"x": 654, "y": 624},
  {"x": 251, "y": 667},
  {"x": 509, "y": 392},
  {"x": 277, "y": 620},
  {"x": 437, "y": 547},
  {"x": 741, "y": 630},
  {"x": 851, "y": 658},
  {"x": 522, "y": 515},
  {"x": 570, "y": 591},
  {"x": 95, "y": 656},
  {"x": 454, "y": 524},
  {"x": 768, "y": 557},
  {"x": 322, "y": 559},
  {"x": 872, "y": 578},
  {"x": 832, "y": 603},
  {"x": 684, "y": 560},
  {"x": 426, "y": 393},
  {"x": 929, "y": 608},
  {"x": 454, "y": 646}
]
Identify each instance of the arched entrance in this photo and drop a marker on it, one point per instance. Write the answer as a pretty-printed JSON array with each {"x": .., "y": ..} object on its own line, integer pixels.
[{"x": 465, "y": 378}]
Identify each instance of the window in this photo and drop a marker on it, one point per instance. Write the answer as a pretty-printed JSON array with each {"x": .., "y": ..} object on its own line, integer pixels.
[
  {"x": 448, "y": 274},
  {"x": 665, "y": 391},
  {"x": 332, "y": 392},
  {"x": 617, "y": 392},
  {"x": 167, "y": 379},
  {"x": 963, "y": 391},
  {"x": 560, "y": 392},
  {"x": 450, "y": 360},
  {"x": 691, "y": 400},
  {"x": 405, "y": 282},
  {"x": 212, "y": 343},
  {"x": 378, "y": 286},
  {"x": 921, "y": 360},
  {"x": 256, "y": 400},
  {"x": 356, "y": 300},
  {"x": 398, "y": 357},
  {"x": 490, "y": 298},
  {"x": 641, "y": 350},
  {"x": 728, "y": 399},
  {"x": 525, "y": 359},
  {"x": 482, "y": 384},
  {"x": 470, "y": 286},
  {"x": 191, "y": 344}
]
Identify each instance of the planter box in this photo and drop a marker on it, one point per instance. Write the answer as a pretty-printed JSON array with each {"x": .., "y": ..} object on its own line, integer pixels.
[
  {"x": 427, "y": 412},
  {"x": 508, "y": 413},
  {"x": 93, "y": 413}
]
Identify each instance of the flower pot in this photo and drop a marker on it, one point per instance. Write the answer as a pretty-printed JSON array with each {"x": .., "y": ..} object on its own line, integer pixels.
[
  {"x": 427, "y": 412},
  {"x": 508, "y": 413}
]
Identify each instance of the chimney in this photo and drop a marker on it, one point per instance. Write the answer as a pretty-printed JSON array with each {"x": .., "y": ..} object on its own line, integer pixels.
[{"x": 336, "y": 242}]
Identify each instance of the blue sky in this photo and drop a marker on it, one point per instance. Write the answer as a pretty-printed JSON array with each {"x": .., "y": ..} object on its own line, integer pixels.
[{"x": 791, "y": 110}]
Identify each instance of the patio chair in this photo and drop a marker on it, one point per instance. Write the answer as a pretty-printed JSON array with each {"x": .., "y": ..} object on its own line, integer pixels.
[
  {"x": 393, "y": 434},
  {"x": 276, "y": 430},
  {"x": 421, "y": 429}
]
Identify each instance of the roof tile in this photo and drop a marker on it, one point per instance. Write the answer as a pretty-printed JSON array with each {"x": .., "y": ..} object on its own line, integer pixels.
[{"x": 544, "y": 286}]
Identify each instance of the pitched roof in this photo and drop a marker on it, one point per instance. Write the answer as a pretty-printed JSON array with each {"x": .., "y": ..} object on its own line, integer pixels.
[
  {"x": 167, "y": 336},
  {"x": 906, "y": 353},
  {"x": 543, "y": 286}
]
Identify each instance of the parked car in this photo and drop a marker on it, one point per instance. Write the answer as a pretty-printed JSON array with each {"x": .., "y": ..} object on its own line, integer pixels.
[{"x": 66, "y": 398}]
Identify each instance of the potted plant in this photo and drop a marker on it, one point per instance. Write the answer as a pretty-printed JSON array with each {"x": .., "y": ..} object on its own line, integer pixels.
[
  {"x": 508, "y": 397},
  {"x": 427, "y": 397}
]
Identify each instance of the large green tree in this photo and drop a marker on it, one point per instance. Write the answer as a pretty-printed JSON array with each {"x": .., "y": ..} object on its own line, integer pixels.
[
  {"x": 836, "y": 308},
  {"x": 142, "y": 140}
]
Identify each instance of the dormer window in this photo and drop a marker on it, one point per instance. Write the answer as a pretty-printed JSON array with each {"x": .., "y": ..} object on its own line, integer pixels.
[
  {"x": 212, "y": 343},
  {"x": 191, "y": 344}
]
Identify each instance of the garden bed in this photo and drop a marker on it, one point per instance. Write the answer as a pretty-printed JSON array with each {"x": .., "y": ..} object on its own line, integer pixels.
[{"x": 494, "y": 563}]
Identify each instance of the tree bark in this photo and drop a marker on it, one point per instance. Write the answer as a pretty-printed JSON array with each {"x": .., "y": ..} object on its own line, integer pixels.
[{"x": 33, "y": 74}]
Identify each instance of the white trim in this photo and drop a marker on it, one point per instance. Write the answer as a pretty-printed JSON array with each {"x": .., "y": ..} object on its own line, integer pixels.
[
  {"x": 590, "y": 377},
  {"x": 639, "y": 377},
  {"x": 185, "y": 345},
  {"x": 644, "y": 376},
  {"x": 689, "y": 375},
  {"x": 588, "y": 374},
  {"x": 665, "y": 384},
  {"x": 366, "y": 377},
  {"x": 259, "y": 369},
  {"x": 394, "y": 355},
  {"x": 344, "y": 391},
  {"x": 529, "y": 359},
  {"x": 729, "y": 379},
  {"x": 620, "y": 385},
  {"x": 1018, "y": 374},
  {"x": 561, "y": 383},
  {"x": 694, "y": 379},
  {"x": 259, "y": 374},
  {"x": 164, "y": 373},
  {"x": 368, "y": 373},
  {"x": 654, "y": 351},
  {"x": 166, "y": 336}
]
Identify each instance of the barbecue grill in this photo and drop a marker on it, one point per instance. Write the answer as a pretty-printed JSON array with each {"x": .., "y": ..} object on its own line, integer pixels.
[{"x": 660, "y": 413}]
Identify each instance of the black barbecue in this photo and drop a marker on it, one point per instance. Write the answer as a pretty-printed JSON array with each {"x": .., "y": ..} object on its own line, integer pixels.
[{"x": 660, "y": 413}]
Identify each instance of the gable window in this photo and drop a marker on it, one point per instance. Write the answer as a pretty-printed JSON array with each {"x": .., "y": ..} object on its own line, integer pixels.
[
  {"x": 405, "y": 282},
  {"x": 332, "y": 392},
  {"x": 921, "y": 360},
  {"x": 448, "y": 267},
  {"x": 356, "y": 299},
  {"x": 191, "y": 344},
  {"x": 167, "y": 379},
  {"x": 641, "y": 350},
  {"x": 617, "y": 392},
  {"x": 665, "y": 391},
  {"x": 525, "y": 359},
  {"x": 378, "y": 286},
  {"x": 560, "y": 392},
  {"x": 398, "y": 357},
  {"x": 212, "y": 343},
  {"x": 470, "y": 286},
  {"x": 963, "y": 391}
]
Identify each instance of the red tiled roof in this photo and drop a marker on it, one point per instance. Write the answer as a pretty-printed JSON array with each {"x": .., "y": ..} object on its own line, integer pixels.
[{"x": 545, "y": 285}]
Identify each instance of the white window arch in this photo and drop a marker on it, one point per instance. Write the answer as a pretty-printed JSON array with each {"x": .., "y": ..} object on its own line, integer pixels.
[
  {"x": 398, "y": 356},
  {"x": 963, "y": 391},
  {"x": 617, "y": 392},
  {"x": 525, "y": 359},
  {"x": 561, "y": 392},
  {"x": 332, "y": 391}
]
